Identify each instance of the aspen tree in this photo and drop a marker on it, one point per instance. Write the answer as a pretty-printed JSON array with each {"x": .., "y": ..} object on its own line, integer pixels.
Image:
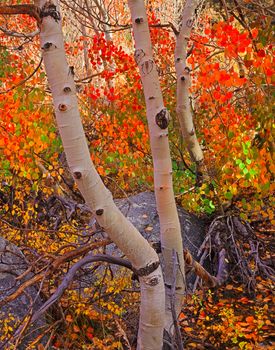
[
  {"x": 98, "y": 198},
  {"x": 183, "y": 108},
  {"x": 158, "y": 119}
]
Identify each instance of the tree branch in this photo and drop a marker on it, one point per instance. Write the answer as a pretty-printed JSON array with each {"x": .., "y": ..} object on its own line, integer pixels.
[{"x": 23, "y": 9}]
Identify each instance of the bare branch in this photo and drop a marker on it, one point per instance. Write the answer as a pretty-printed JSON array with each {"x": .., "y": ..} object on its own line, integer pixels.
[
  {"x": 23, "y": 9},
  {"x": 19, "y": 35},
  {"x": 24, "y": 80}
]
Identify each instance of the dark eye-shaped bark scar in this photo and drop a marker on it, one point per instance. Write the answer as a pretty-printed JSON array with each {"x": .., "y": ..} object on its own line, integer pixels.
[
  {"x": 139, "y": 54},
  {"x": 162, "y": 118},
  {"x": 147, "y": 67},
  {"x": 189, "y": 23},
  {"x": 49, "y": 9}
]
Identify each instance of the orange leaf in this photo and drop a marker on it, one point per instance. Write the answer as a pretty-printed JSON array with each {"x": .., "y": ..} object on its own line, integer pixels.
[
  {"x": 76, "y": 329},
  {"x": 69, "y": 318},
  {"x": 250, "y": 319}
]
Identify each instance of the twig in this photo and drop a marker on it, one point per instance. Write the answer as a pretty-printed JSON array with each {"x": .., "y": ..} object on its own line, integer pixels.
[
  {"x": 19, "y": 35},
  {"x": 24, "y": 80},
  {"x": 68, "y": 279}
]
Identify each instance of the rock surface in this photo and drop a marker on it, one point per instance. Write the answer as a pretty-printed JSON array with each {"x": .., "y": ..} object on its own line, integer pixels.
[
  {"x": 12, "y": 265},
  {"x": 141, "y": 210}
]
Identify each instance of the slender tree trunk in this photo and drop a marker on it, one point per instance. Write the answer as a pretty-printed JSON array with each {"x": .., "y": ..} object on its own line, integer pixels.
[
  {"x": 87, "y": 64},
  {"x": 158, "y": 118},
  {"x": 99, "y": 199},
  {"x": 184, "y": 112}
]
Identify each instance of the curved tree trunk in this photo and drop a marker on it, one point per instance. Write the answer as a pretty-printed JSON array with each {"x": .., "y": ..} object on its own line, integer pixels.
[
  {"x": 158, "y": 118},
  {"x": 183, "y": 109},
  {"x": 99, "y": 199}
]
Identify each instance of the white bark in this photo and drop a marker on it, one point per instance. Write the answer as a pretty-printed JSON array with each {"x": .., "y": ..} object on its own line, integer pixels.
[
  {"x": 87, "y": 63},
  {"x": 108, "y": 38},
  {"x": 157, "y": 121},
  {"x": 183, "y": 109},
  {"x": 99, "y": 199}
]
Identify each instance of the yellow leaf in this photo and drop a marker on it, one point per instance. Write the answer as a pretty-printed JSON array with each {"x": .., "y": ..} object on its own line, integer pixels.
[{"x": 69, "y": 318}]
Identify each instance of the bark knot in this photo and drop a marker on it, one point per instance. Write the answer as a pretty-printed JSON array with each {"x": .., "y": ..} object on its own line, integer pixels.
[
  {"x": 47, "y": 46},
  {"x": 153, "y": 281},
  {"x": 145, "y": 271},
  {"x": 139, "y": 20},
  {"x": 67, "y": 89},
  {"x": 99, "y": 212},
  {"x": 162, "y": 118},
  {"x": 147, "y": 67},
  {"x": 50, "y": 9},
  {"x": 189, "y": 23},
  {"x": 62, "y": 107},
  {"x": 77, "y": 175}
]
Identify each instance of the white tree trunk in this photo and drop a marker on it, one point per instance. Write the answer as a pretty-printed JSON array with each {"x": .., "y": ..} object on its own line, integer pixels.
[
  {"x": 158, "y": 119},
  {"x": 121, "y": 231},
  {"x": 183, "y": 109}
]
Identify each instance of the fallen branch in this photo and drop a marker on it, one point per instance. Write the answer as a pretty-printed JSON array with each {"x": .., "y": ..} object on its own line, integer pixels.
[
  {"x": 68, "y": 278},
  {"x": 53, "y": 266},
  {"x": 210, "y": 280}
]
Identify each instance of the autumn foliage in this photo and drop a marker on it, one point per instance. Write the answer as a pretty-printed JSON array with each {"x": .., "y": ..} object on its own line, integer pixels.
[{"x": 232, "y": 69}]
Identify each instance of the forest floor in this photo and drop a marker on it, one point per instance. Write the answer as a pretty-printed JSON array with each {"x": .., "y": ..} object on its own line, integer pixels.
[{"x": 236, "y": 315}]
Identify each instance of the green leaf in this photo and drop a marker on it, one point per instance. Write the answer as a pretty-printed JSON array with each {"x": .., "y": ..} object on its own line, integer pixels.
[
  {"x": 109, "y": 159},
  {"x": 242, "y": 166},
  {"x": 44, "y": 138},
  {"x": 252, "y": 172},
  {"x": 211, "y": 205},
  {"x": 229, "y": 195},
  {"x": 6, "y": 164}
]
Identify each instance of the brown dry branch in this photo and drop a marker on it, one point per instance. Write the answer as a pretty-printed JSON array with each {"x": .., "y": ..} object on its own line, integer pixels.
[
  {"x": 238, "y": 251},
  {"x": 210, "y": 280},
  {"x": 23, "y": 9},
  {"x": 53, "y": 266},
  {"x": 68, "y": 278}
]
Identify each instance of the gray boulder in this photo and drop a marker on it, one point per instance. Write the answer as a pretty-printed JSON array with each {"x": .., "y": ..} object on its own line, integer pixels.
[
  {"x": 141, "y": 210},
  {"x": 12, "y": 265}
]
